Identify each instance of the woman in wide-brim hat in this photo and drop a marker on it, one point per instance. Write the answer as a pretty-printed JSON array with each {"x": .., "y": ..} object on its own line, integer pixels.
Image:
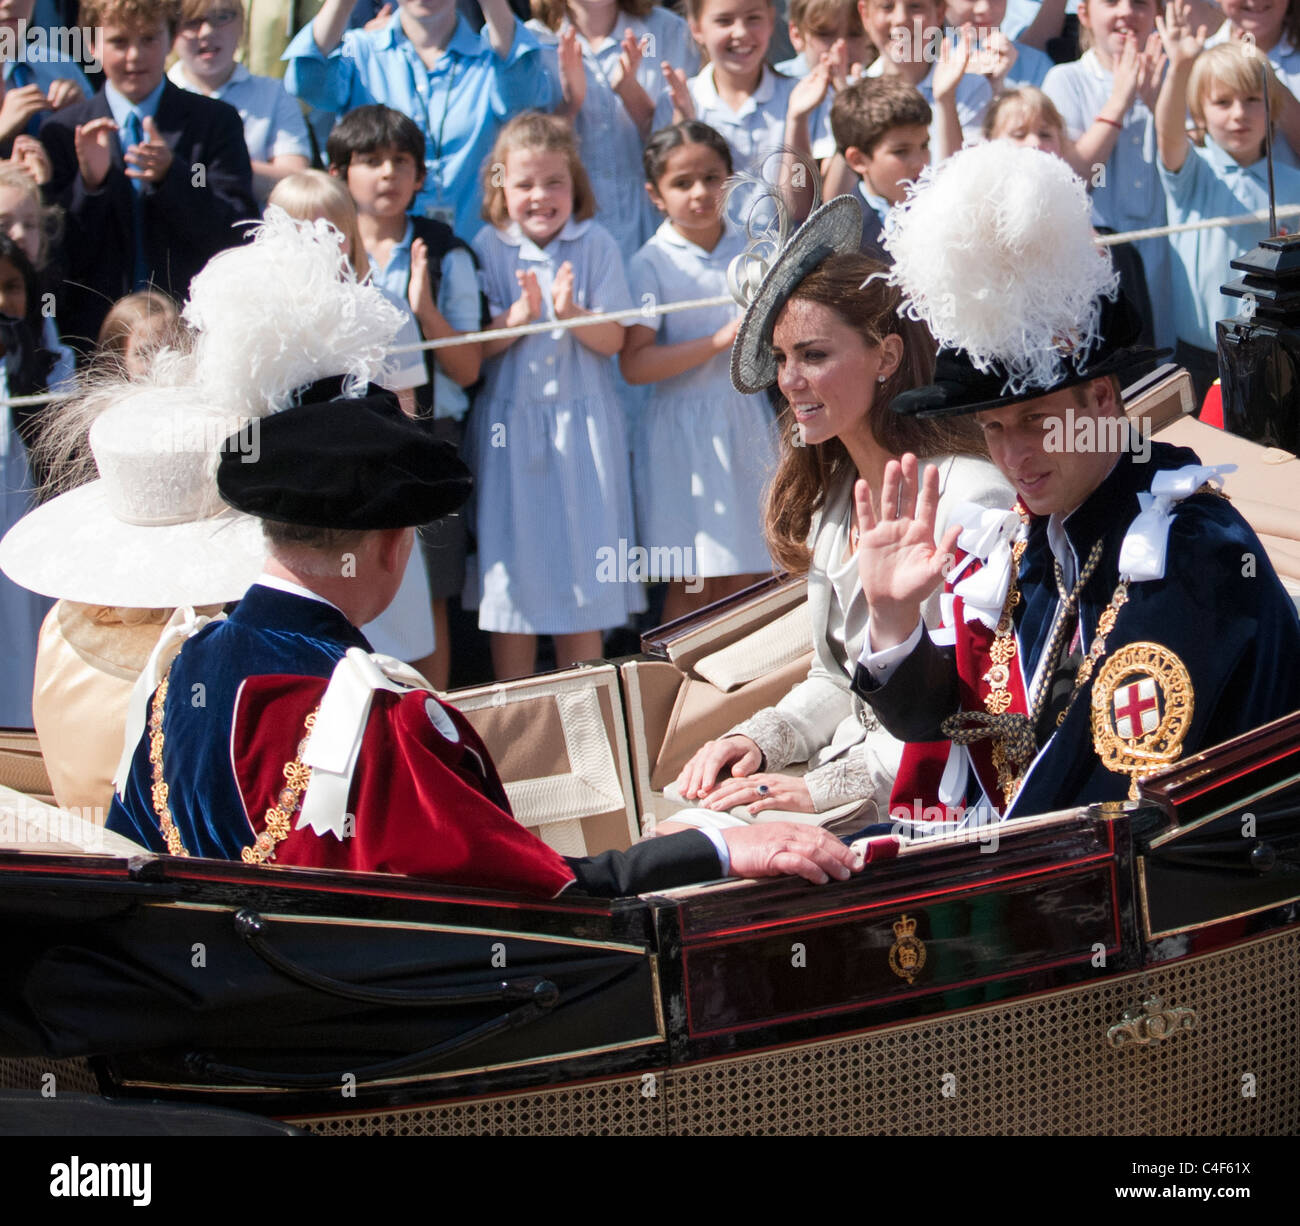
[
  {"x": 147, "y": 544},
  {"x": 826, "y": 329}
]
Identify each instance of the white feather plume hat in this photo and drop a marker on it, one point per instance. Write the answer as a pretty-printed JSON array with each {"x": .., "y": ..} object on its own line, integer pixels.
[
  {"x": 995, "y": 253},
  {"x": 273, "y": 316}
]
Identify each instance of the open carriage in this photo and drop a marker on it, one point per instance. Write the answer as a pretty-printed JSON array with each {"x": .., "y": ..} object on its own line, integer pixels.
[{"x": 1103, "y": 970}]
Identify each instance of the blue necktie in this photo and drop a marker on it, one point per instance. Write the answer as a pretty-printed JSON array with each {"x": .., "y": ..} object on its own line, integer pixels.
[
  {"x": 21, "y": 74},
  {"x": 133, "y": 134}
]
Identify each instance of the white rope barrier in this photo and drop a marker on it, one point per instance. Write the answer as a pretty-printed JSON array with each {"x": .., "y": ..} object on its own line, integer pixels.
[
  {"x": 641, "y": 314},
  {"x": 631, "y": 316},
  {"x": 1241, "y": 219}
]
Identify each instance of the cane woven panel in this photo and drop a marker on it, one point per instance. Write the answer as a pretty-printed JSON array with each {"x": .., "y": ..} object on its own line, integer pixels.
[
  {"x": 623, "y": 1106},
  {"x": 1039, "y": 1066},
  {"x": 70, "y": 1076}
]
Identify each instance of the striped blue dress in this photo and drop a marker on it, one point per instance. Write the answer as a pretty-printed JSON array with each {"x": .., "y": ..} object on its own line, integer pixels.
[{"x": 547, "y": 445}]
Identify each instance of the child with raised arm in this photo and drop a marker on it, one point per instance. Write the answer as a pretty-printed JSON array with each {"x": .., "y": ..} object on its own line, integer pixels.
[
  {"x": 427, "y": 62},
  {"x": 1271, "y": 28},
  {"x": 761, "y": 114},
  {"x": 607, "y": 54},
  {"x": 827, "y": 28},
  {"x": 546, "y": 443},
  {"x": 1107, "y": 99},
  {"x": 1226, "y": 175},
  {"x": 704, "y": 452},
  {"x": 912, "y": 45}
]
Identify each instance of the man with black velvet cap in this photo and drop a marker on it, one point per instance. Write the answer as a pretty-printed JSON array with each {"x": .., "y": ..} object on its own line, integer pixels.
[
  {"x": 1125, "y": 615},
  {"x": 276, "y": 736}
]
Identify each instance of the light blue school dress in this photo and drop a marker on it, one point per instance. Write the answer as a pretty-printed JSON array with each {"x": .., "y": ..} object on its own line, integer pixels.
[
  {"x": 21, "y": 611},
  {"x": 703, "y": 452},
  {"x": 608, "y": 139},
  {"x": 1128, "y": 196},
  {"x": 553, "y": 502}
]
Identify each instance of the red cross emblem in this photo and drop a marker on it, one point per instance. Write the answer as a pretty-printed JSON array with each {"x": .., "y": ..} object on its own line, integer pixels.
[{"x": 1137, "y": 709}]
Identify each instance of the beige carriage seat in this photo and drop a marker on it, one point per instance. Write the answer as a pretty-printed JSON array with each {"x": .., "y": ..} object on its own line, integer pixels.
[
  {"x": 710, "y": 673},
  {"x": 1266, "y": 485},
  {"x": 28, "y": 823}
]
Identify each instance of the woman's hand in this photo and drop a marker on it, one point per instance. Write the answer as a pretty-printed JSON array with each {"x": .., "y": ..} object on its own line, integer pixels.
[
  {"x": 764, "y": 791},
  {"x": 699, "y": 775}
]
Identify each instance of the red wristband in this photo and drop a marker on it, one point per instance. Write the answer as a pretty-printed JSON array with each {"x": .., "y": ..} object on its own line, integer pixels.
[{"x": 1113, "y": 124}]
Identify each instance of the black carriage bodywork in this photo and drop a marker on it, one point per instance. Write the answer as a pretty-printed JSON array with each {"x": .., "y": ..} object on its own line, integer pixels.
[{"x": 954, "y": 988}]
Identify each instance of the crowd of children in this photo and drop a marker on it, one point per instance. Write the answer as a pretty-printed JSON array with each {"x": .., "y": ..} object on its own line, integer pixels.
[{"x": 572, "y": 159}]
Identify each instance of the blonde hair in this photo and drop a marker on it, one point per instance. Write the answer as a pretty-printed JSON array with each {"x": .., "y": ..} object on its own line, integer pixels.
[
  {"x": 552, "y": 12},
  {"x": 313, "y": 195},
  {"x": 537, "y": 133},
  {"x": 1229, "y": 64},
  {"x": 1032, "y": 102},
  {"x": 127, "y": 314},
  {"x": 51, "y": 215}
]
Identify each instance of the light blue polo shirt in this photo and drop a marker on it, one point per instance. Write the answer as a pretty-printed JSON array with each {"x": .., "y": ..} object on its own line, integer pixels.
[
  {"x": 457, "y": 300},
  {"x": 459, "y": 104},
  {"x": 1212, "y": 184},
  {"x": 1126, "y": 192}
]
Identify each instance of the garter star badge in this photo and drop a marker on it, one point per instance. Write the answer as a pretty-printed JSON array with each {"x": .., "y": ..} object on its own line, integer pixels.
[
  {"x": 907, "y": 954},
  {"x": 1142, "y": 706}
]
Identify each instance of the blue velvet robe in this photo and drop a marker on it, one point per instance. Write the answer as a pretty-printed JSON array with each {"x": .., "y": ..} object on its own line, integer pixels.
[
  {"x": 269, "y": 632},
  {"x": 274, "y": 632}
]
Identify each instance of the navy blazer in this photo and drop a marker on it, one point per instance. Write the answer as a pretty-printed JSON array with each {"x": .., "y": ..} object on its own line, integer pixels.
[{"x": 188, "y": 217}]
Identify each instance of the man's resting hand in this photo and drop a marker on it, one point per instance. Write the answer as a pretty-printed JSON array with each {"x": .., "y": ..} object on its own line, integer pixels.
[{"x": 770, "y": 849}]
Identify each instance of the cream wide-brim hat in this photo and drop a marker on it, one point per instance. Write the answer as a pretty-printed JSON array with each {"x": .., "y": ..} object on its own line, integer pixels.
[{"x": 152, "y": 532}]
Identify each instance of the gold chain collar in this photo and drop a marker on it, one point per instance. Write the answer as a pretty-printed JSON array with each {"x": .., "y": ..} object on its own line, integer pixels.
[
  {"x": 276, "y": 818},
  {"x": 1003, "y": 651}
]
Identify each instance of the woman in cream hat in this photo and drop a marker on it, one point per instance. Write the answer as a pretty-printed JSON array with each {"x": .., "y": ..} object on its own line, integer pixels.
[{"x": 145, "y": 546}]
